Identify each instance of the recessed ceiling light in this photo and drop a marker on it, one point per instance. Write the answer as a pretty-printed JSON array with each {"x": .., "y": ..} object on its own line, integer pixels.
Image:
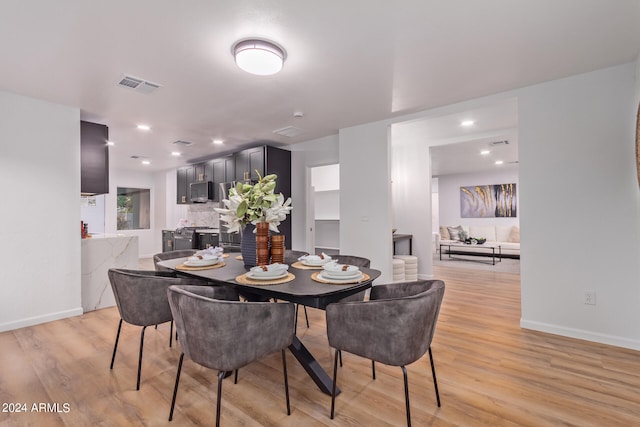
[
  {"x": 144, "y": 127},
  {"x": 259, "y": 57},
  {"x": 467, "y": 123},
  {"x": 146, "y": 162},
  {"x": 176, "y": 153},
  {"x": 499, "y": 162},
  {"x": 111, "y": 143},
  {"x": 218, "y": 141},
  {"x": 485, "y": 152}
]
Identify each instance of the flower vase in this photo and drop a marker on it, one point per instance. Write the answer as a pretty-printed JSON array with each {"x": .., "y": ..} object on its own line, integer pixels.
[
  {"x": 277, "y": 249},
  {"x": 262, "y": 243},
  {"x": 248, "y": 246}
]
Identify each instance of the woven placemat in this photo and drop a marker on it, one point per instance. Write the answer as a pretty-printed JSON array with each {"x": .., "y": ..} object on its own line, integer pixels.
[
  {"x": 301, "y": 266},
  {"x": 204, "y": 267},
  {"x": 315, "y": 277},
  {"x": 244, "y": 280}
]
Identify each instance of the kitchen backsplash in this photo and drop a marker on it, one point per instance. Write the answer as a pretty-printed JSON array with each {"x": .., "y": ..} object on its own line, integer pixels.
[{"x": 203, "y": 214}]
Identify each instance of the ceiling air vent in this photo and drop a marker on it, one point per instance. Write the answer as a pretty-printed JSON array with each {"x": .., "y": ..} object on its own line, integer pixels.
[
  {"x": 505, "y": 142},
  {"x": 182, "y": 143},
  {"x": 139, "y": 85},
  {"x": 289, "y": 131}
]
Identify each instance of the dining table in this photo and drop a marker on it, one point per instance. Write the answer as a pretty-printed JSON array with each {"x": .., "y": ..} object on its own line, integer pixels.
[{"x": 303, "y": 288}]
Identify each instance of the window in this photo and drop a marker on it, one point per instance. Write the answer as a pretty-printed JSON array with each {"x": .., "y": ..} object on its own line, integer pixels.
[{"x": 133, "y": 210}]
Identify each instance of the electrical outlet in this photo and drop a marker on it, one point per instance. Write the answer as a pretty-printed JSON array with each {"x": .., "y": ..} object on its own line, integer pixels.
[{"x": 590, "y": 297}]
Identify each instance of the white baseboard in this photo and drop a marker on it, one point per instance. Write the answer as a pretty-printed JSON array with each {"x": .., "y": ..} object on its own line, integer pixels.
[
  {"x": 581, "y": 334},
  {"x": 36, "y": 320}
]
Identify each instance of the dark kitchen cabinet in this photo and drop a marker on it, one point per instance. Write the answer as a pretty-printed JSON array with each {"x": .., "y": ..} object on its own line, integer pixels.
[
  {"x": 94, "y": 158},
  {"x": 207, "y": 240},
  {"x": 249, "y": 163},
  {"x": 199, "y": 173},
  {"x": 185, "y": 176},
  {"x": 223, "y": 170},
  {"x": 167, "y": 240}
]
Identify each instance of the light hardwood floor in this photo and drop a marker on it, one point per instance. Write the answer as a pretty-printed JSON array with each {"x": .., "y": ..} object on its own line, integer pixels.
[{"x": 490, "y": 372}]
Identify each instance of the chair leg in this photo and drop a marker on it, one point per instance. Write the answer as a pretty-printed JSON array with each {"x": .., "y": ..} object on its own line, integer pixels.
[
  {"x": 406, "y": 395},
  {"x": 221, "y": 376},
  {"x": 286, "y": 381},
  {"x": 175, "y": 388},
  {"x": 305, "y": 315},
  {"x": 295, "y": 321},
  {"x": 433, "y": 372},
  {"x": 373, "y": 369},
  {"x": 235, "y": 378},
  {"x": 115, "y": 346},
  {"x": 340, "y": 357},
  {"x": 335, "y": 379},
  {"x": 140, "y": 357},
  {"x": 171, "y": 335}
]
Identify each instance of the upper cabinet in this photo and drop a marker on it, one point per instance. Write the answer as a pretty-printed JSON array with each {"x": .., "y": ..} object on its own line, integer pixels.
[
  {"x": 94, "y": 158},
  {"x": 186, "y": 175},
  {"x": 224, "y": 170},
  {"x": 249, "y": 163}
]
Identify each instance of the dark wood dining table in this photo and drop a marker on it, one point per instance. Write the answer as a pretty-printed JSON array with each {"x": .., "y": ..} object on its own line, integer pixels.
[{"x": 301, "y": 290}]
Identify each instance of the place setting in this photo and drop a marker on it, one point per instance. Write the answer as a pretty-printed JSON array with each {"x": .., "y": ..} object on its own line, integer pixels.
[
  {"x": 312, "y": 262},
  {"x": 339, "y": 274},
  {"x": 205, "y": 259},
  {"x": 271, "y": 274}
]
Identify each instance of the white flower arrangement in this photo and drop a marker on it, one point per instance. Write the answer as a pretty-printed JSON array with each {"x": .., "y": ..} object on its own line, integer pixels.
[{"x": 250, "y": 204}]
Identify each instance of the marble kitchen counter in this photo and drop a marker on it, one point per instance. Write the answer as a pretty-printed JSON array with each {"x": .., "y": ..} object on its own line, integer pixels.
[{"x": 99, "y": 254}]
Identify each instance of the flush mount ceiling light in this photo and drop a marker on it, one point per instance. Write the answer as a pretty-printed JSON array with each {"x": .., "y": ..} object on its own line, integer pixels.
[
  {"x": 144, "y": 127},
  {"x": 467, "y": 123},
  {"x": 259, "y": 57}
]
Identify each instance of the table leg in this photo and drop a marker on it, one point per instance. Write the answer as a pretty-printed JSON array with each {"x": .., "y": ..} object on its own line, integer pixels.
[{"x": 311, "y": 365}]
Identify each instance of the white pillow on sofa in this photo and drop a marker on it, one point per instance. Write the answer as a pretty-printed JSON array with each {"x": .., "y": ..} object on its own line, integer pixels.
[{"x": 502, "y": 233}]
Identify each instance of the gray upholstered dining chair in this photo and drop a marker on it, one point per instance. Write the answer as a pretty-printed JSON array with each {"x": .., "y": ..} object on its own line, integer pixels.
[
  {"x": 163, "y": 256},
  {"x": 394, "y": 327},
  {"x": 141, "y": 297},
  {"x": 227, "y": 335}
]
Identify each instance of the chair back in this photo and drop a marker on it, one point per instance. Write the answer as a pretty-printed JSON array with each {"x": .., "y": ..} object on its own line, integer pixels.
[
  {"x": 226, "y": 335},
  {"x": 163, "y": 256},
  {"x": 353, "y": 260},
  {"x": 395, "y": 327},
  {"x": 141, "y": 296},
  {"x": 291, "y": 256}
]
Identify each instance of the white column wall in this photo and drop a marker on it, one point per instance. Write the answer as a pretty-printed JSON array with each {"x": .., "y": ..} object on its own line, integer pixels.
[
  {"x": 40, "y": 266},
  {"x": 365, "y": 195},
  {"x": 411, "y": 196},
  {"x": 580, "y": 227}
]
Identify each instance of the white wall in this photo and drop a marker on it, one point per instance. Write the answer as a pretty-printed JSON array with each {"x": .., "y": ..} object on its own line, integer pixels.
[
  {"x": 449, "y": 196},
  {"x": 411, "y": 198},
  {"x": 40, "y": 212},
  {"x": 365, "y": 195},
  {"x": 305, "y": 155},
  {"x": 579, "y": 191},
  {"x": 578, "y": 198},
  {"x": 149, "y": 241}
]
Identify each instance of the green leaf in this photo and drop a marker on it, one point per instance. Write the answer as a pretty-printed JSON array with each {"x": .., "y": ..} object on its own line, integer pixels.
[{"x": 242, "y": 209}]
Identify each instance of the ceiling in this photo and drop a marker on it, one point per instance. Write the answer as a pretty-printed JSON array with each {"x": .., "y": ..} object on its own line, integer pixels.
[{"x": 347, "y": 63}]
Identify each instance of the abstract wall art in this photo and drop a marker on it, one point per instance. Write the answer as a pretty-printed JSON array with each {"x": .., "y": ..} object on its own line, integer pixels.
[{"x": 488, "y": 201}]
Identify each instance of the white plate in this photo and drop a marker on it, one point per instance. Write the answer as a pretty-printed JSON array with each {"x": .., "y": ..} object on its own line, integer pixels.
[
  {"x": 341, "y": 280},
  {"x": 251, "y": 276},
  {"x": 267, "y": 274},
  {"x": 341, "y": 274},
  {"x": 201, "y": 263}
]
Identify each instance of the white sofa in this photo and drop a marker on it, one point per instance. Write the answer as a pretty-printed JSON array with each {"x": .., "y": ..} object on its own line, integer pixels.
[{"x": 508, "y": 237}]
